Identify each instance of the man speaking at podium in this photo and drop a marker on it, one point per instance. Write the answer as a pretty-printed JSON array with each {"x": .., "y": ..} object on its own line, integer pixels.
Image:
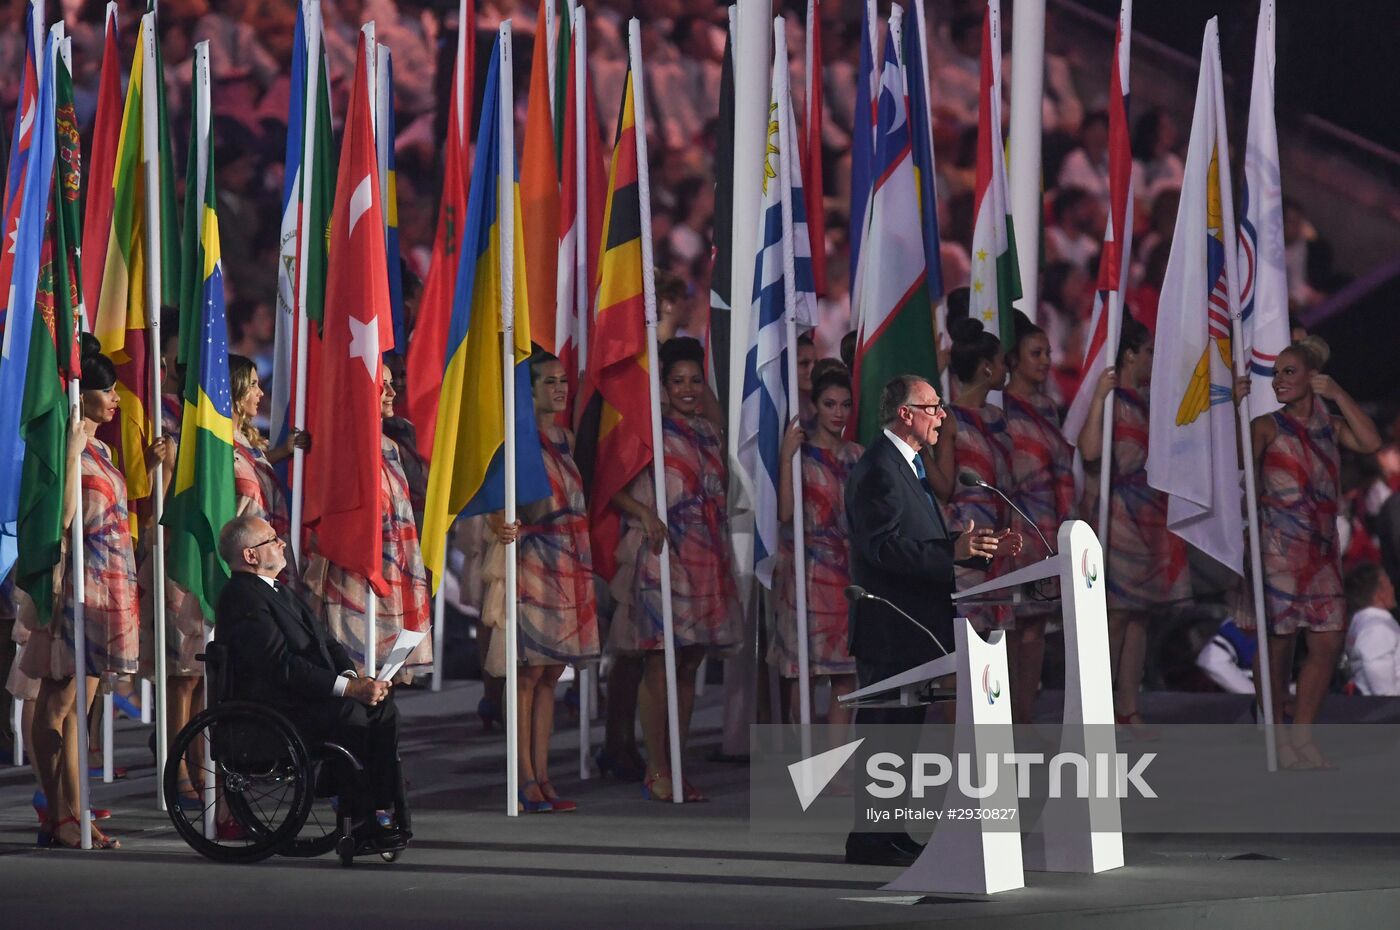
[{"x": 902, "y": 552}]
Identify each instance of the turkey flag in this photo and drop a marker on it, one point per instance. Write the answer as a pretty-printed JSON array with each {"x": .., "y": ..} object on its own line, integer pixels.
[{"x": 343, "y": 503}]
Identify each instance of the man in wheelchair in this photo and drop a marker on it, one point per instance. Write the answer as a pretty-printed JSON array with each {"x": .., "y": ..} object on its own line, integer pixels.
[{"x": 282, "y": 656}]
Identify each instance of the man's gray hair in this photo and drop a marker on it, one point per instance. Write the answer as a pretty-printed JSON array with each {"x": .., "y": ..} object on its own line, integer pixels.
[
  {"x": 895, "y": 394},
  {"x": 238, "y": 534}
]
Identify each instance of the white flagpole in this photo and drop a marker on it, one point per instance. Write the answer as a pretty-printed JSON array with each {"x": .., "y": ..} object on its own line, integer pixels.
[
  {"x": 505, "y": 213},
  {"x": 203, "y": 112},
  {"x": 312, "y": 16},
  {"x": 383, "y": 144},
  {"x": 439, "y": 613},
  {"x": 1228, "y": 234},
  {"x": 658, "y": 460},
  {"x": 75, "y": 546},
  {"x": 581, "y": 131},
  {"x": 1114, "y": 309},
  {"x": 583, "y": 314},
  {"x": 1027, "y": 89},
  {"x": 372, "y": 75},
  {"x": 147, "y": 699},
  {"x": 551, "y": 44},
  {"x": 150, "y": 149},
  {"x": 786, "y": 139},
  {"x": 17, "y": 707},
  {"x": 1246, "y": 418}
]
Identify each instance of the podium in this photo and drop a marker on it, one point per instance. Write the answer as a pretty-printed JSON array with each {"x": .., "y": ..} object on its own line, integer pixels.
[
  {"x": 963, "y": 856},
  {"x": 1073, "y": 834}
]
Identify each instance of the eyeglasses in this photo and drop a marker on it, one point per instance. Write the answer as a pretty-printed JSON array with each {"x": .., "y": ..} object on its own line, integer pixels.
[
  {"x": 929, "y": 409},
  {"x": 274, "y": 539}
]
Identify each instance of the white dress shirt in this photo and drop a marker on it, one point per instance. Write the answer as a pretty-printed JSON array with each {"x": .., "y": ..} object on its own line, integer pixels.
[
  {"x": 905, "y": 450},
  {"x": 1373, "y": 651}
]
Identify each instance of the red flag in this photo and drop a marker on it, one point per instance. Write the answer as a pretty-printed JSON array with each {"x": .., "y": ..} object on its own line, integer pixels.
[
  {"x": 427, "y": 343},
  {"x": 1120, "y": 160},
  {"x": 343, "y": 503},
  {"x": 539, "y": 196},
  {"x": 106, "y": 131},
  {"x": 570, "y": 342},
  {"x": 811, "y": 148}
]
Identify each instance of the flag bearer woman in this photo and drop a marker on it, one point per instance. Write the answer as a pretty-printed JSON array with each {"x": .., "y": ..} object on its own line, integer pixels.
[
  {"x": 1146, "y": 564},
  {"x": 1042, "y": 479},
  {"x": 557, "y": 611},
  {"x": 1297, "y": 451},
  {"x": 704, "y": 597}
]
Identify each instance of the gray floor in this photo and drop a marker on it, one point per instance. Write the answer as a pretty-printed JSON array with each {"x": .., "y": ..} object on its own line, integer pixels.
[{"x": 623, "y": 862}]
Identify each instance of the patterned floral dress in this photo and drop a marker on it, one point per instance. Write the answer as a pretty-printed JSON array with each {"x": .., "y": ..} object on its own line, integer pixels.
[
  {"x": 184, "y": 621},
  {"x": 1146, "y": 563},
  {"x": 983, "y": 446},
  {"x": 340, "y": 596},
  {"x": 828, "y": 557},
  {"x": 704, "y": 599},
  {"x": 258, "y": 493},
  {"x": 1042, "y": 479},
  {"x": 557, "y": 612},
  {"x": 1298, "y": 495},
  {"x": 111, "y": 609}
]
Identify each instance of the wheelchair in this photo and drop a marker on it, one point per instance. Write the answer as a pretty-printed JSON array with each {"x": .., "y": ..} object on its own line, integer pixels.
[{"x": 272, "y": 795}]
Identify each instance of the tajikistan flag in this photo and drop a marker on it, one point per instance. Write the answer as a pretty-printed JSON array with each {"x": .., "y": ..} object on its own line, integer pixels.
[{"x": 996, "y": 280}]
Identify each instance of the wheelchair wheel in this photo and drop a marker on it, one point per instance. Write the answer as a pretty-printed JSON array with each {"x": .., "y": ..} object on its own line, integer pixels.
[
  {"x": 324, "y": 826},
  {"x": 262, "y": 777}
]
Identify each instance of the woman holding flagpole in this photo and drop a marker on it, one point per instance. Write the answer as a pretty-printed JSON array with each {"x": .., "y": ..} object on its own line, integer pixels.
[
  {"x": 1147, "y": 566},
  {"x": 558, "y": 612},
  {"x": 111, "y": 605},
  {"x": 703, "y": 592},
  {"x": 1042, "y": 481},
  {"x": 975, "y": 438},
  {"x": 1297, "y": 451},
  {"x": 827, "y": 458},
  {"x": 341, "y": 597},
  {"x": 256, "y": 488}
]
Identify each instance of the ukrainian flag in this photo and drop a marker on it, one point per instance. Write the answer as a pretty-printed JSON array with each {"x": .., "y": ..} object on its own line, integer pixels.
[
  {"x": 201, "y": 499},
  {"x": 467, "y": 475}
]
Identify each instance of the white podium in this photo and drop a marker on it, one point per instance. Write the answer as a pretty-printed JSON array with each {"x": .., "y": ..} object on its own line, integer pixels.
[
  {"x": 1075, "y": 834},
  {"x": 973, "y": 856}
]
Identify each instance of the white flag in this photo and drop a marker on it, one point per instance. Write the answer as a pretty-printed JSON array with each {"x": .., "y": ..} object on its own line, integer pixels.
[
  {"x": 1192, "y": 447},
  {"x": 1264, "y": 291}
]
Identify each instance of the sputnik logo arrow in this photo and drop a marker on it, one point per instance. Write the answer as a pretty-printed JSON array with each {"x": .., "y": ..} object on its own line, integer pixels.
[{"x": 811, "y": 776}]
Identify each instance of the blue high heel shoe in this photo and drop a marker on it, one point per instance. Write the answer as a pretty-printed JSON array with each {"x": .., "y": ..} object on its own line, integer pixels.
[
  {"x": 122, "y": 703},
  {"x": 533, "y": 807}
]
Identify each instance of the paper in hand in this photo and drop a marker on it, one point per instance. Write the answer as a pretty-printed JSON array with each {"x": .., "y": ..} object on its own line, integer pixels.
[{"x": 403, "y": 647}]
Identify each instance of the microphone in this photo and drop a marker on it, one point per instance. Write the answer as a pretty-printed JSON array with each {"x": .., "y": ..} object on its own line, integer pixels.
[
  {"x": 968, "y": 479},
  {"x": 855, "y": 593}
]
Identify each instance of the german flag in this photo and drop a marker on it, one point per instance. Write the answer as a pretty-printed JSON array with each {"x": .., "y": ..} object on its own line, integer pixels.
[{"x": 614, "y": 429}]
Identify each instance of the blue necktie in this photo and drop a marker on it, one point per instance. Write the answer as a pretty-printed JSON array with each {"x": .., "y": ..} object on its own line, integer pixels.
[{"x": 922, "y": 474}]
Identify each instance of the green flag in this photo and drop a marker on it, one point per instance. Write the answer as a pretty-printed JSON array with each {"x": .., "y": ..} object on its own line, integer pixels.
[
  {"x": 52, "y": 358},
  {"x": 563, "y": 61},
  {"x": 201, "y": 499},
  {"x": 318, "y": 184}
]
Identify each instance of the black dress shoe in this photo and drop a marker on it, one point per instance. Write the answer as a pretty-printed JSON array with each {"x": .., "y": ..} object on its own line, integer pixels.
[
  {"x": 882, "y": 852},
  {"x": 370, "y": 835},
  {"x": 906, "y": 843}
]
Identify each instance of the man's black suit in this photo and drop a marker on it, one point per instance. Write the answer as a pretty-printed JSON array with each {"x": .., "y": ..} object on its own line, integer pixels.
[
  {"x": 901, "y": 550},
  {"x": 281, "y": 655}
]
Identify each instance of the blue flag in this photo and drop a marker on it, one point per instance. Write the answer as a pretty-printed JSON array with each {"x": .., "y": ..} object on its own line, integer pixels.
[{"x": 14, "y": 351}]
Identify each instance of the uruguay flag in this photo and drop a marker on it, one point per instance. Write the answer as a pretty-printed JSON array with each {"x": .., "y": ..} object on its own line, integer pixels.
[{"x": 783, "y": 292}]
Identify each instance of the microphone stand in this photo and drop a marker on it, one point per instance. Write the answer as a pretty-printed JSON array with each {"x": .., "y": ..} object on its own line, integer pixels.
[
  {"x": 967, "y": 478},
  {"x": 856, "y": 593}
]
